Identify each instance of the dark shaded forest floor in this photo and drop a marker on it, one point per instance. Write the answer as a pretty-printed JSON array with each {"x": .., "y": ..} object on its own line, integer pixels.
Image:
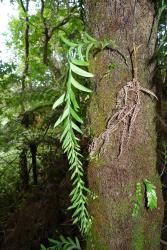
[
  {"x": 164, "y": 225},
  {"x": 42, "y": 214}
]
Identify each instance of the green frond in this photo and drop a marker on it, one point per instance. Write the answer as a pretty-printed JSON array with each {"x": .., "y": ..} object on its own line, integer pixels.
[{"x": 77, "y": 58}]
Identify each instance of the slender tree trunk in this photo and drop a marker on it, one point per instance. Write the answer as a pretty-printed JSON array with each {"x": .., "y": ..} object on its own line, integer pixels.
[
  {"x": 24, "y": 175},
  {"x": 123, "y": 149},
  {"x": 25, "y": 8},
  {"x": 33, "y": 149}
]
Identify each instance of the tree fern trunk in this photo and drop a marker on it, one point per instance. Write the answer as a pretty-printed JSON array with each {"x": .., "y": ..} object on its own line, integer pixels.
[
  {"x": 33, "y": 149},
  {"x": 127, "y": 155}
]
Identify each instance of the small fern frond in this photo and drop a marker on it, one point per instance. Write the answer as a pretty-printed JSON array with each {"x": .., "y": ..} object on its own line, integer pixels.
[
  {"x": 150, "y": 194},
  {"x": 63, "y": 244}
]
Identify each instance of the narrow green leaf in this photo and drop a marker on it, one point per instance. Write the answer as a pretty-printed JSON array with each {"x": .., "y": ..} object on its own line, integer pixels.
[
  {"x": 90, "y": 37},
  {"x": 79, "y": 71},
  {"x": 80, "y": 52},
  {"x": 72, "y": 247},
  {"x": 76, "y": 128},
  {"x": 62, "y": 117},
  {"x": 79, "y": 86},
  {"x": 75, "y": 116},
  {"x": 76, "y": 220},
  {"x": 62, "y": 238},
  {"x": 105, "y": 43},
  {"x": 77, "y": 212},
  {"x": 88, "y": 50},
  {"x": 79, "y": 62},
  {"x": 77, "y": 243},
  {"x": 70, "y": 240},
  {"x": 59, "y": 101},
  {"x": 74, "y": 100},
  {"x": 66, "y": 141},
  {"x": 67, "y": 42},
  {"x": 64, "y": 132},
  {"x": 74, "y": 205},
  {"x": 53, "y": 241},
  {"x": 43, "y": 247}
]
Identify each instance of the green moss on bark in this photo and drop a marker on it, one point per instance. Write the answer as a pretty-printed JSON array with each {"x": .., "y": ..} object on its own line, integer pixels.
[
  {"x": 138, "y": 236},
  {"x": 94, "y": 242}
]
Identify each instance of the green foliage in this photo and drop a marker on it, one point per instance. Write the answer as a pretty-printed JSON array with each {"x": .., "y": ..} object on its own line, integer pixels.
[
  {"x": 138, "y": 195},
  {"x": 151, "y": 195},
  {"x": 78, "y": 56},
  {"x": 8, "y": 171},
  {"x": 63, "y": 244},
  {"x": 71, "y": 119},
  {"x": 164, "y": 158},
  {"x": 26, "y": 114},
  {"x": 161, "y": 51},
  {"x": 162, "y": 7},
  {"x": 164, "y": 154}
]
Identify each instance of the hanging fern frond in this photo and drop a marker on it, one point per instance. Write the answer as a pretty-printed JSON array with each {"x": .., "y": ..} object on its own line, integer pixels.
[{"x": 77, "y": 61}]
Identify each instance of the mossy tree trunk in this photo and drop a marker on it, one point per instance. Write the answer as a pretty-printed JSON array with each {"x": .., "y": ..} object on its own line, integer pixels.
[{"x": 113, "y": 176}]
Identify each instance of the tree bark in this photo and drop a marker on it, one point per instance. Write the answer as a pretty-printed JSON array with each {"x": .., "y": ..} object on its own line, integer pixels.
[{"x": 126, "y": 155}]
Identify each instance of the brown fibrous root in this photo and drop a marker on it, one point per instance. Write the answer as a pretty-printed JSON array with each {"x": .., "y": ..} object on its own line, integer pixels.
[{"x": 127, "y": 106}]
